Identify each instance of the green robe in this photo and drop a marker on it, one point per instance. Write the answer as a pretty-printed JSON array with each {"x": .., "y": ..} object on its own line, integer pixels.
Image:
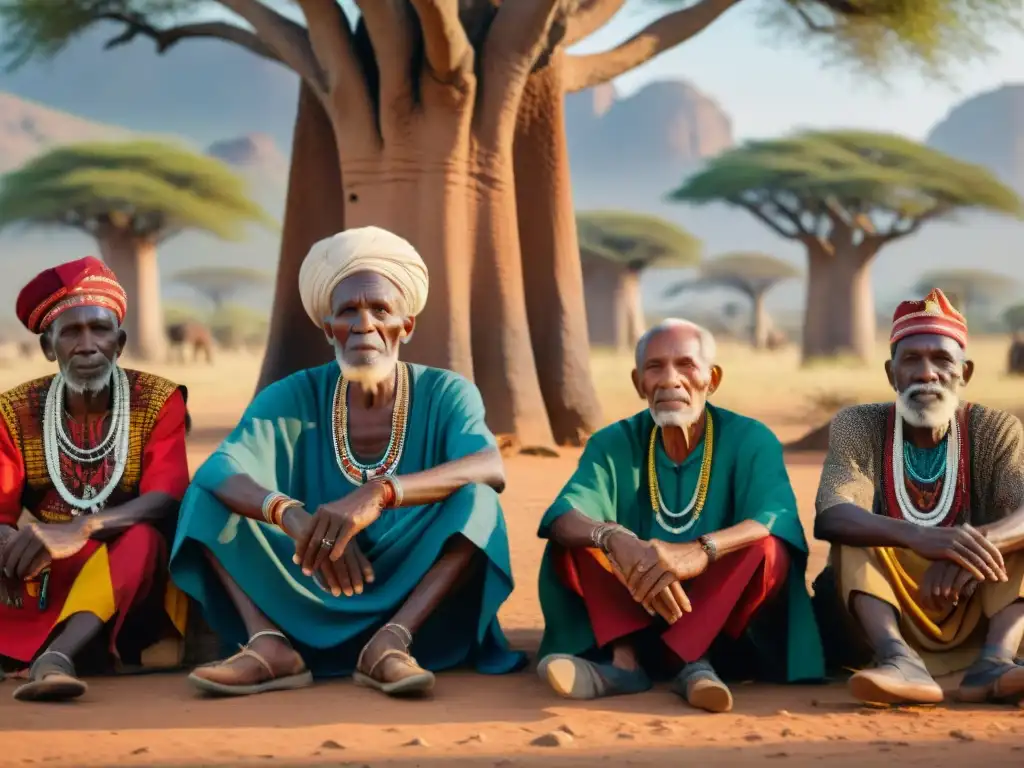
[
  {"x": 748, "y": 482},
  {"x": 285, "y": 443}
]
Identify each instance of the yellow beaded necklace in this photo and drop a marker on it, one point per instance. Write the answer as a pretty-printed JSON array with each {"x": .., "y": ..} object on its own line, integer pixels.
[
  {"x": 700, "y": 493},
  {"x": 356, "y": 472}
]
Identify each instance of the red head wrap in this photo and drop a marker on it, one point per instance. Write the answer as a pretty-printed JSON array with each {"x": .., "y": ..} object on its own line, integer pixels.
[
  {"x": 86, "y": 282},
  {"x": 935, "y": 315}
]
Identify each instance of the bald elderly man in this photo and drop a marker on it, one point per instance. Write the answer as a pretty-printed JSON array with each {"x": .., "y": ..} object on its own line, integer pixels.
[
  {"x": 352, "y": 516},
  {"x": 676, "y": 544}
]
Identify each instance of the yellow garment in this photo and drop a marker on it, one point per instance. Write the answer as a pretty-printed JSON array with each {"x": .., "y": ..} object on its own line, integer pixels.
[
  {"x": 366, "y": 249},
  {"x": 92, "y": 591},
  {"x": 948, "y": 640}
]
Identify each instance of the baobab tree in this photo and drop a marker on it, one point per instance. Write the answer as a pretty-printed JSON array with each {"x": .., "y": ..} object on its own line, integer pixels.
[
  {"x": 752, "y": 274},
  {"x": 616, "y": 247},
  {"x": 219, "y": 285},
  {"x": 844, "y": 195},
  {"x": 443, "y": 121},
  {"x": 131, "y": 197},
  {"x": 970, "y": 290}
]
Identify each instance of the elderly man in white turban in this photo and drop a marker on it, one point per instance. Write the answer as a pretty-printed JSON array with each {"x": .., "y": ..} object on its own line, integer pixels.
[{"x": 352, "y": 516}]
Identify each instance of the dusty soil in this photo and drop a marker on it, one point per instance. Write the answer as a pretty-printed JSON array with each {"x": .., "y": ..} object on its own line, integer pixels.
[{"x": 477, "y": 721}]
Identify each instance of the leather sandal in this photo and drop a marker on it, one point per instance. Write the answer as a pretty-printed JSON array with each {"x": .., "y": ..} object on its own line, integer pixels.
[
  {"x": 413, "y": 680},
  {"x": 575, "y": 678},
  {"x": 205, "y": 677},
  {"x": 701, "y": 687},
  {"x": 51, "y": 678},
  {"x": 992, "y": 678},
  {"x": 898, "y": 677}
]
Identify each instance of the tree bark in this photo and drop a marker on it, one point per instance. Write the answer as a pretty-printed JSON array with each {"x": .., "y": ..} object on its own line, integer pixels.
[
  {"x": 552, "y": 270},
  {"x": 314, "y": 209},
  {"x": 840, "y": 316},
  {"x": 633, "y": 304},
  {"x": 133, "y": 260},
  {"x": 759, "y": 320}
]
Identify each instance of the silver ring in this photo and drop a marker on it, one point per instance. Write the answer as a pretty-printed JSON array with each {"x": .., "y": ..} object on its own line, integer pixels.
[
  {"x": 326, "y": 543},
  {"x": 641, "y": 568}
]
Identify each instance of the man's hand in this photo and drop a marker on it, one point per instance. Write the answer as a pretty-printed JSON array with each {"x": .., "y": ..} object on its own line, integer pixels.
[
  {"x": 24, "y": 554},
  {"x": 944, "y": 583},
  {"x": 966, "y": 546},
  {"x": 349, "y": 575},
  {"x": 334, "y": 526}
]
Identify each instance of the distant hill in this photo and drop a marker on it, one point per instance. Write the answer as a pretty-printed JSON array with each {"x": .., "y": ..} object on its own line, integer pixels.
[{"x": 987, "y": 129}]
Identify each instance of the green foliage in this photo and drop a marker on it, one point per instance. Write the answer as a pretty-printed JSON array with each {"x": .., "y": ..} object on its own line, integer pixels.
[
  {"x": 635, "y": 241},
  {"x": 857, "y": 173},
  {"x": 967, "y": 286},
  {"x": 156, "y": 189},
  {"x": 239, "y": 319},
  {"x": 43, "y": 28},
  {"x": 1014, "y": 317},
  {"x": 217, "y": 283},
  {"x": 175, "y": 313},
  {"x": 750, "y": 273},
  {"x": 878, "y": 36}
]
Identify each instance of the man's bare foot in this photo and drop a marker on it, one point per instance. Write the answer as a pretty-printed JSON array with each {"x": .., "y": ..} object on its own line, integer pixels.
[
  {"x": 385, "y": 664},
  {"x": 266, "y": 663}
]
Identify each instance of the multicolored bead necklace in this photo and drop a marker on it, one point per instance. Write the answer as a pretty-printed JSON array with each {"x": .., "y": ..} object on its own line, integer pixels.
[
  {"x": 950, "y": 470},
  {"x": 700, "y": 493},
  {"x": 356, "y": 472}
]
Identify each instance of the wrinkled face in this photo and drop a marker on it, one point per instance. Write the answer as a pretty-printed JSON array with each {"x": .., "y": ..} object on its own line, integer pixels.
[
  {"x": 86, "y": 343},
  {"x": 675, "y": 378},
  {"x": 368, "y": 323},
  {"x": 927, "y": 372}
]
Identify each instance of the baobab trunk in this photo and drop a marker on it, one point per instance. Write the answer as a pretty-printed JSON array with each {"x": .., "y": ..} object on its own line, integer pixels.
[
  {"x": 759, "y": 317},
  {"x": 853, "y": 303},
  {"x": 133, "y": 260},
  {"x": 633, "y": 306},
  {"x": 552, "y": 270},
  {"x": 504, "y": 365},
  {"x": 314, "y": 209},
  {"x": 819, "y": 315}
]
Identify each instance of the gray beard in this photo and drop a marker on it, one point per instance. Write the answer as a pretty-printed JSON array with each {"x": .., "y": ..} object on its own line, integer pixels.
[
  {"x": 683, "y": 419},
  {"x": 92, "y": 385}
]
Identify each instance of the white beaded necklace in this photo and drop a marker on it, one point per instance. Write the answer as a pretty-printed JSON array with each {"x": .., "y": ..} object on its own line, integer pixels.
[
  {"x": 56, "y": 441},
  {"x": 910, "y": 512}
]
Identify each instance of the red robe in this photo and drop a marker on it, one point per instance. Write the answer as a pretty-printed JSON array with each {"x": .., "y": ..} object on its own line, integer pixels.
[{"x": 112, "y": 579}]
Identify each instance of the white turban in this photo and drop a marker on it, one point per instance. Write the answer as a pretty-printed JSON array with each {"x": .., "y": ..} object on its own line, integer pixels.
[{"x": 366, "y": 249}]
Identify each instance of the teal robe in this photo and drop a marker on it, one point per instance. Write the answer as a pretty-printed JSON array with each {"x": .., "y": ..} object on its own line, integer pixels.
[
  {"x": 285, "y": 443},
  {"x": 748, "y": 482}
]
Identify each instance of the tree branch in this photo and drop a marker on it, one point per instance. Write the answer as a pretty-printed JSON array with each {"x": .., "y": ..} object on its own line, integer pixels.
[
  {"x": 283, "y": 36},
  {"x": 591, "y": 16},
  {"x": 393, "y": 37},
  {"x": 904, "y": 227},
  {"x": 165, "y": 39},
  {"x": 757, "y": 208},
  {"x": 659, "y": 36},
  {"x": 446, "y": 46}
]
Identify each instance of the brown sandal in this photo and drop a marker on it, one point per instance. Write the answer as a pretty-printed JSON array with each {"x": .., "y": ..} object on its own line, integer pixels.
[
  {"x": 302, "y": 679},
  {"x": 417, "y": 681}
]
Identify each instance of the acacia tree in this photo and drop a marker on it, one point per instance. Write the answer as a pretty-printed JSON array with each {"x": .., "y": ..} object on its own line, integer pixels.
[
  {"x": 220, "y": 284},
  {"x": 844, "y": 195},
  {"x": 616, "y": 247},
  {"x": 1014, "y": 318},
  {"x": 443, "y": 121},
  {"x": 968, "y": 289},
  {"x": 752, "y": 274},
  {"x": 131, "y": 197}
]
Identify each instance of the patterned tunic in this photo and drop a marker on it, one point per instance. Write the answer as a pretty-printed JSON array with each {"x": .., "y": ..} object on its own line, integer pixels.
[{"x": 855, "y": 468}]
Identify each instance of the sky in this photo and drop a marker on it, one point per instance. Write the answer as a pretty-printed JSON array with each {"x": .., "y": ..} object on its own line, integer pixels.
[{"x": 771, "y": 87}]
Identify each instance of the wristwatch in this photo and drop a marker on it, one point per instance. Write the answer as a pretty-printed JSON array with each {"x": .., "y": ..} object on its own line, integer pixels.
[{"x": 709, "y": 547}]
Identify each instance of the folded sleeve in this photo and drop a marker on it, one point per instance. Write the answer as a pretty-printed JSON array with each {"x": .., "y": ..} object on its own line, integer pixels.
[{"x": 847, "y": 476}]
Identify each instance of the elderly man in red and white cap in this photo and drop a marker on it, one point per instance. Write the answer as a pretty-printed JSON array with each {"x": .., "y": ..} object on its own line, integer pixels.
[
  {"x": 923, "y": 503},
  {"x": 96, "y": 454}
]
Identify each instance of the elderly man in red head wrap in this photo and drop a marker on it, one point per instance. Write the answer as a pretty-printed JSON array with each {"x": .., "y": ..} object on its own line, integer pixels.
[
  {"x": 923, "y": 503},
  {"x": 96, "y": 455}
]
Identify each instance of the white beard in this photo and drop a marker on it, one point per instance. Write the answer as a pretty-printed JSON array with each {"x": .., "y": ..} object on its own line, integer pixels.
[
  {"x": 682, "y": 418},
  {"x": 366, "y": 376},
  {"x": 93, "y": 384},
  {"x": 934, "y": 415}
]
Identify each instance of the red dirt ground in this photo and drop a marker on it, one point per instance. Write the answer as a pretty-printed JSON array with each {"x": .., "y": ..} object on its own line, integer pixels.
[{"x": 479, "y": 721}]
